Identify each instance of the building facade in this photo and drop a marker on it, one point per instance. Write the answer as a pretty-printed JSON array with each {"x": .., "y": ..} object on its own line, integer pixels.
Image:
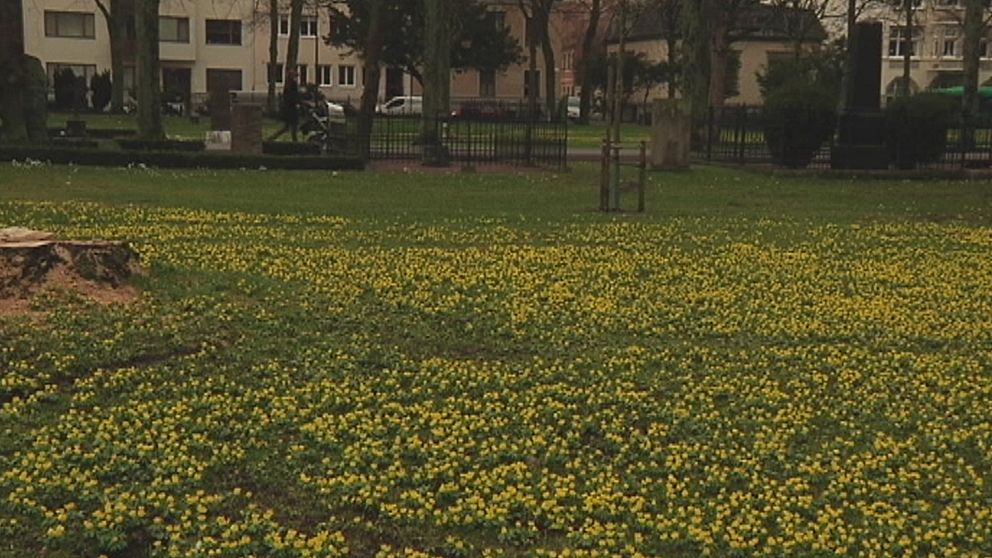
[
  {"x": 224, "y": 44},
  {"x": 936, "y": 46},
  {"x": 760, "y": 34}
]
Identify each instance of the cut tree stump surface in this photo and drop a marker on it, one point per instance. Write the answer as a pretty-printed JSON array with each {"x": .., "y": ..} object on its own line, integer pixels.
[{"x": 32, "y": 260}]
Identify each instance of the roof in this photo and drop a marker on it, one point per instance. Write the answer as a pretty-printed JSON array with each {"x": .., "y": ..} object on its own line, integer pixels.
[{"x": 754, "y": 22}]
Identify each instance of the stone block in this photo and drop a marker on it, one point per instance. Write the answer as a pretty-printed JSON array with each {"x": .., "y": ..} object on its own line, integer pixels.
[
  {"x": 246, "y": 129},
  {"x": 670, "y": 135}
]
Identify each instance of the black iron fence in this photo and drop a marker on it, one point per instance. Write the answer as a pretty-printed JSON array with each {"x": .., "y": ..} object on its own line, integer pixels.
[
  {"x": 472, "y": 140},
  {"x": 737, "y": 135}
]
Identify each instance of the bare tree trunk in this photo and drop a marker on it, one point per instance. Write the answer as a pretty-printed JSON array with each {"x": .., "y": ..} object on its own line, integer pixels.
[
  {"x": 585, "y": 68},
  {"x": 543, "y": 20},
  {"x": 533, "y": 85},
  {"x": 374, "y": 42},
  {"x": 973, "y": 16},
  {"x": 293, "y": 48},
  {"x": 12, "y": 74},
  {"x": 147, "y": 71},
  {"x": 672, "y": 43},
  {"x": 974, "y": 13},
  {"x": 850, "y": 58},
  {"x": 720, "y": 50},
  {"x": 619, "y": 84},
  {"x": 270, "y": 99},
  {"x": 437, "y": 79},
  {"x": 696, "y": 56},
  {"x": 907, "y": 53},
  {"x": 115, "y": 16}
]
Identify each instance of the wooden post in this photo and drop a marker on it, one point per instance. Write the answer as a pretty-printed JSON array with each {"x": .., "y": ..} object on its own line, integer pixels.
[
  {"x": 615, "y": 179},
  {"x": 642, "y": 177},
  {"x": 604, "y": 177}
]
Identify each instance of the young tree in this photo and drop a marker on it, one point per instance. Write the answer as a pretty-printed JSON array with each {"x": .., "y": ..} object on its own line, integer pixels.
[
  {"x": 907, "y": 11},
  {"x": 147, "y": 71}
]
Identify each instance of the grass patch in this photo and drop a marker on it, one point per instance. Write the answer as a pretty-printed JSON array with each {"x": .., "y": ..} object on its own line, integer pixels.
[{"x": 431, "y": 364}]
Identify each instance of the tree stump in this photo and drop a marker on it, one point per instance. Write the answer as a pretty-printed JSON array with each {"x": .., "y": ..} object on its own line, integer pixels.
[{"x": 34, "y": 260}]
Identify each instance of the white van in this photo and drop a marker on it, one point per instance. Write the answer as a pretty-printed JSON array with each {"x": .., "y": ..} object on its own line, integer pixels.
[{"x": 402, "y": 105}]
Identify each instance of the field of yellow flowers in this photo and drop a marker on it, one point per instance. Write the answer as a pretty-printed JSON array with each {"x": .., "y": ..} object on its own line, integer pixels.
[{"x": 323, "y": 384}]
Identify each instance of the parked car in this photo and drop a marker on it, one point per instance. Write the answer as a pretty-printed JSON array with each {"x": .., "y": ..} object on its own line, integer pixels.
[
  {"x": 402, "y": 105},
  {"x": 494, "y": 109},
  {"x": 574, "y": 112}
]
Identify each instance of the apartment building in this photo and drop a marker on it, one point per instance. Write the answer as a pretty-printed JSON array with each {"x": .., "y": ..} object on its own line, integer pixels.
[
  {"x": 936, "y": 43},
  {"x": 761, "y": 34},
  {"x": 224, "y": 45}
]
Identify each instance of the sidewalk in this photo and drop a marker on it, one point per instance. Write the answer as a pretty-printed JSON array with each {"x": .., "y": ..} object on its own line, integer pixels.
[{"x": 594, "y": 154}]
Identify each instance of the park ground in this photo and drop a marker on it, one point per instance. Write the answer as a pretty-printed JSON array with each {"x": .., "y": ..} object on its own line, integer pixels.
[{"x": 455, "y": 365}]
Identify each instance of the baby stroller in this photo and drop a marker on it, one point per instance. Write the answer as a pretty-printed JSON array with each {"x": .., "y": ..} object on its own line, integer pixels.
[{"x": 323, "y": 122}]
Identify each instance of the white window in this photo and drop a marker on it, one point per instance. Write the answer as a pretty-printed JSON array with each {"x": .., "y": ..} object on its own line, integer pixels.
[
  {"x": 308, "y": 26},
  {"x": 325, "y": 74},
  {"x": 173, "y": 29},
  {"x": 76, "y": 25},
  {"x": 487, "y": 83},
  {"x": 301, "y": 73},
  {"x": 898, "y": 42},
  {"x": 276, "y": 72},
  {"x": 346, "y": 76},
  {"x": 949, "y": 47}
]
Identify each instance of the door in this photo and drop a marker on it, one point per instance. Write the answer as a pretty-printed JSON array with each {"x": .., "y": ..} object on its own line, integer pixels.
[
  {"x": 223, "y": 81},
  {"x": 394, "y": 83},
  {"x": 177, "y": 86}
]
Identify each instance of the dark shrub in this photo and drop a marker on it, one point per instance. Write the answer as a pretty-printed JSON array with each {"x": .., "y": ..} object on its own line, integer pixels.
[
  {"x": 917, "y": 128},
  {"x": 798, "y": 119},
  {"x": 287, "y": 148},
  {"x": 65, "y": 89},
  {"x": 102, "y": 91},
  {"x": 161, "y": 145}
]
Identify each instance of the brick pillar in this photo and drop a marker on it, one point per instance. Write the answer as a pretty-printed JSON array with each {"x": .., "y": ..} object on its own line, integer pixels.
[
  {"x": 220, "y": 111},
  {"x": 246, "y": 129}
]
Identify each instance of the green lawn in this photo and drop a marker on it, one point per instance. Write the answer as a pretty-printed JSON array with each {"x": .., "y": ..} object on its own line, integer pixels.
[
  {"x": 176, "y": 127},
  {"x": 458, "y": 365},
  {"x": 591, "y": 135}
]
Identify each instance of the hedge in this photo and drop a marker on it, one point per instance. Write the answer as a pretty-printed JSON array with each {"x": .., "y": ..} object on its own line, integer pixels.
[
  {"x": 287, "y": 148},
  {"x": 98, "y": 133},
  {"x": 177, "y": 159},
  {"x": 74, "y": 143},
  {"x": 161, "y": 145}
]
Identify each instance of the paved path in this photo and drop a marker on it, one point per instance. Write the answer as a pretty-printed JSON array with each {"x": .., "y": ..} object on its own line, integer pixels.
[{"x": 594, "y": 153}]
